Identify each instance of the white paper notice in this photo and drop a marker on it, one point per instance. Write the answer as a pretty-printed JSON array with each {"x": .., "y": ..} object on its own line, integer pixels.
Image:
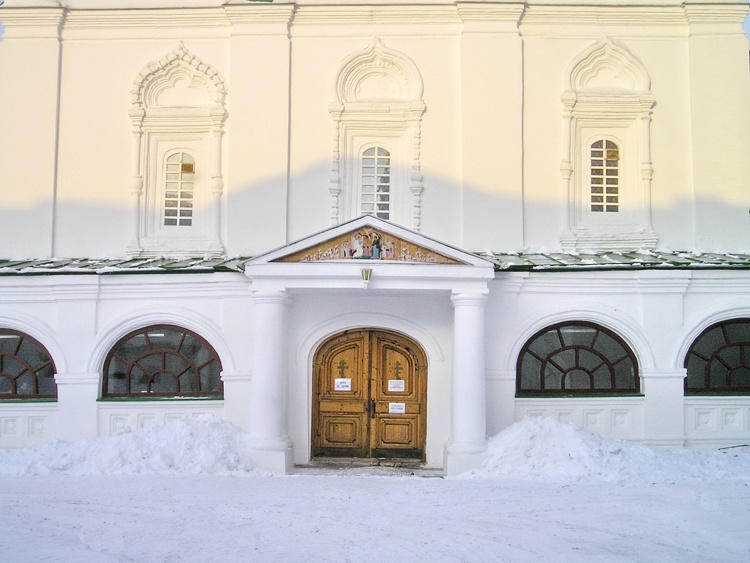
[
  {"x": 396, "y": 385},
  {"x": 342, "y": 384},
  {"x": 396, "y": 408}
]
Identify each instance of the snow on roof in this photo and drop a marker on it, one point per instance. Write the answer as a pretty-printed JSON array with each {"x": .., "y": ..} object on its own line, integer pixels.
[
  {"x": 510, "y": 261},
  {"x": 161, "y": 264},
  {"x": 621, "y": 260}
]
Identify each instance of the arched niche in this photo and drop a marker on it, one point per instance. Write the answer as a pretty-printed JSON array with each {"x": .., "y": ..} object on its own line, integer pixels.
[
  {"x": 178, "y": 104},
  {"x": 607, "y": 96}
]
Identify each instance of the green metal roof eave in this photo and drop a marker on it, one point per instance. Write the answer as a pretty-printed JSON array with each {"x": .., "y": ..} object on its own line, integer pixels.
[
  {"x": 504, "y": 262},
  {"x": 618, "y": 261},
  {"x": 119, "y": 266}
]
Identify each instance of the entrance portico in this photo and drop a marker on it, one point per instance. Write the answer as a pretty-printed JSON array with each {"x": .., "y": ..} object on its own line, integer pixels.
[{"x": 368, "y": 274}]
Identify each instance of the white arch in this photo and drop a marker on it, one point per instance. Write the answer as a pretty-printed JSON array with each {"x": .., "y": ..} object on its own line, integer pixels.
[
  {"x": 625, "y": 327},
  {"x": 701, "y": 322},
  {"x": 39, "y": 331},
  {"x": 348, "y": 321},
  {"x": 144, "y": 317}
]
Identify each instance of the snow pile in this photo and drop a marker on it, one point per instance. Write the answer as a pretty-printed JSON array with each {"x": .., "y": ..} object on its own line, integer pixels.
[
  {"x": 545, "y": 449},
  {"x": 189, "y": 446}
]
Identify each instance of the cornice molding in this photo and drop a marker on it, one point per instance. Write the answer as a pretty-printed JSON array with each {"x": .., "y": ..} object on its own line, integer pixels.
[
  {"x": 38, "y": 23},
  {"x": 100, "y": 21},
  {"x": 590, "y": 19},
  {"x": 376, "y": 15}
]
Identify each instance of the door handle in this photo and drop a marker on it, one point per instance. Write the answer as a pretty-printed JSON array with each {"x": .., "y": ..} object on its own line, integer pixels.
[{"x": 372, "y": 407}]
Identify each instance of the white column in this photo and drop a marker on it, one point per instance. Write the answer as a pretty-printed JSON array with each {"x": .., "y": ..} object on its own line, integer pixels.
[
  {"x": 468, "y": 384},
  {"x": 268, "y": 404}
]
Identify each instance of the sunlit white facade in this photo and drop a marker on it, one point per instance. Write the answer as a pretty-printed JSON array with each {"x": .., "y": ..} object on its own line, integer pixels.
[{"x": 400, "y": 167}]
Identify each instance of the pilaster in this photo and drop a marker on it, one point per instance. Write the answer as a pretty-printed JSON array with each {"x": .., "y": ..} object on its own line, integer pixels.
[
  {"x": 77, "y": 394},
  {"x": 664, "y": 407}
]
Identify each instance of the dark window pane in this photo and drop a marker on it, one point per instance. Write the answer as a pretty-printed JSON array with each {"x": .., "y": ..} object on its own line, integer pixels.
[
  {"x": 26, "y": 370},
  {"x": 162, "y": 360},
  {"x": 576, "y": 357},
  {"x": 719, "y": 359}
]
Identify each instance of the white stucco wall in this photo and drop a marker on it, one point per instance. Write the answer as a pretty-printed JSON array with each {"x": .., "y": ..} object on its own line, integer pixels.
[{"x": 491, "y": 138}]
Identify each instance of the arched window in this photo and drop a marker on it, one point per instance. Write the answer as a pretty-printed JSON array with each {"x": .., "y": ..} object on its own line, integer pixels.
[
  {"x": 605, "y": 177},
  {"x": 576, "y": 358},
  {"x": 179, "y": 173},
  {"x": 719, "y": 359},
  {"x": 26, "y": 370},
  {"x": 375, "y": 194},
  {"x": 162, "y": 361}
]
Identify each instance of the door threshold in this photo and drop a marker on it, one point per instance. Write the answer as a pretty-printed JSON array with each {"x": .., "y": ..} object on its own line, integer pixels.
[{"x": 353, "y": 466}]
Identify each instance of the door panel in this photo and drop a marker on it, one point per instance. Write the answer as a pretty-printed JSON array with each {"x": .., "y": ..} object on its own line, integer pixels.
[{"x": 369, "y": 396}]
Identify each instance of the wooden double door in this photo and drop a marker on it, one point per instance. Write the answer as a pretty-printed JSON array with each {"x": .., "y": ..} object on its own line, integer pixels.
[{"x": 369, "y": 396}]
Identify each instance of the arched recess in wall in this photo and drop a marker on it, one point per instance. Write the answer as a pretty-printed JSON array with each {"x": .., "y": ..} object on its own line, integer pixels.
[
  {"x": 177, "y": 117},
  {"x": 377, "y": 102},
  {"x": 606, "y": 165}
]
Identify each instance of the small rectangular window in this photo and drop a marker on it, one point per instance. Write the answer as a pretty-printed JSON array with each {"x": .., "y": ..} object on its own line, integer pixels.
[{"x": 605, "y": 170}]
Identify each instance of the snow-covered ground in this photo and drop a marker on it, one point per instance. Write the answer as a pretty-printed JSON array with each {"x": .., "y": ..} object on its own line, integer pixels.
[{"x": 187, "y": 491}]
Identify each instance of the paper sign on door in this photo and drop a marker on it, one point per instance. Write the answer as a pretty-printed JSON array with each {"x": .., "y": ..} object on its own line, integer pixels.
[
  {"x": 342, "y": 384},
  {"x": 396, "y": 385},
  {"x": 396, "y": 408}
]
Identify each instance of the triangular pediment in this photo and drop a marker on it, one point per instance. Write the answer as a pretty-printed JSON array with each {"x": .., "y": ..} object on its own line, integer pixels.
[{"x": 369, "y": 239}]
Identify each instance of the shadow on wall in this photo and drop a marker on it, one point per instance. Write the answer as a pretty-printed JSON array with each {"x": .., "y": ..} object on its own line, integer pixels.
[{"x": 258, "y": 217}]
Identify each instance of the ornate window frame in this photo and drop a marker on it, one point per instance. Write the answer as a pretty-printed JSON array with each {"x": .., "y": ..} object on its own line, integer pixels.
[
  {"x": 607, "y": 95},
  {"x": 377, "y": 99},
  {"x": 163, "y": 122}
]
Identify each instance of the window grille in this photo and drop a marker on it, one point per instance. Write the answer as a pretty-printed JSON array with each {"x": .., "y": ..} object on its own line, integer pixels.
[
  {"x": 576, "y": 358},
  {"x": 162, "y": 360},
  {"x": 605, "y": 177},
  {"x": 719, "y": 360},
  {"x": 376, "y": 183},
  {"x": 178, "y": 193},
  {"x": 26, "y": 370}
]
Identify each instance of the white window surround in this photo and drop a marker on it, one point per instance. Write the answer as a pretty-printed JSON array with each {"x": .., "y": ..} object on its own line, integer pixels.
[
  {"x": 178, "y": 105},
  {"x": 377, "y": 97},
  {"x": 607, "y": 97}
]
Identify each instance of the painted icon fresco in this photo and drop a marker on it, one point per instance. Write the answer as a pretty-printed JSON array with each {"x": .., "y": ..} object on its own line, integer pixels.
[{"x": 368, "y": 244}]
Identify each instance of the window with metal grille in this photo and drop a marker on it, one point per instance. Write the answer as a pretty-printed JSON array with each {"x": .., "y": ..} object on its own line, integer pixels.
[
  {"x": 376, "y": 183},
  {"x": 719, "y": 360},
  {"x": 164, "y": 360},
  {"x": 26, "y": 370},
  {"x": 576, "y": 358},
  {"x": 179, "y": 174},
  {"x": 605, "y": 177}
]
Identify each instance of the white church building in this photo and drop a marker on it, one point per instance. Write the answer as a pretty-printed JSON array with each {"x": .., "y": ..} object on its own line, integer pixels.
[{"x": 380, "y": 229}]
